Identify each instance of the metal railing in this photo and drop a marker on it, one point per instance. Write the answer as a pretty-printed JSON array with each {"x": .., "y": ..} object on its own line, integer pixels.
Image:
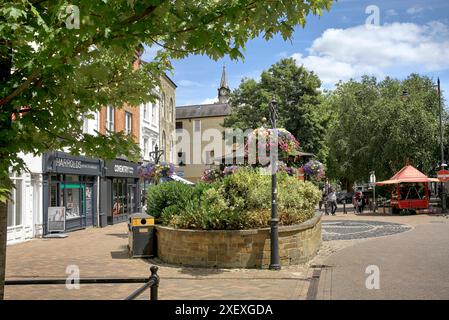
[{"x": 152, "y": 282}]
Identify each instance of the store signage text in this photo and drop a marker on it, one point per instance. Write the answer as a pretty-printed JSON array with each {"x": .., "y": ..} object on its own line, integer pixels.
[
  {"x": 123, "y": 169},
  {"x": 68, "y": 163}
]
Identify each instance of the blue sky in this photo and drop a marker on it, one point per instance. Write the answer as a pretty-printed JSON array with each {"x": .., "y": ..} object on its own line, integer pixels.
[{"x": 412, "y": 36}]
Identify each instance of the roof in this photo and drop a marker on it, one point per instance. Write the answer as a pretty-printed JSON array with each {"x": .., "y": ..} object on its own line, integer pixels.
[
  {"x": 203, "y": 111},
  {"x": 408, "y": 174},
  {"x": 170, "y": 81}
]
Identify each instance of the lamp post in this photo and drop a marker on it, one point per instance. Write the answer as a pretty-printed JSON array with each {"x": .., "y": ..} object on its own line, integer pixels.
[
  {"x": 156, "y": 154},
  {"x": 274, "y": 262},
  {"x": 443, "y": 165}
]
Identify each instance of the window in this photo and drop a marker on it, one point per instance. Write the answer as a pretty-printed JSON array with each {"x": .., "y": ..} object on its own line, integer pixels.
[
  {"x": 128, "y": 122},
  {"x": 110, "y": 117},
  {"x": 14, "y": 215},
  {"x": 181, "y": 158},
  {"x": 164, "y": 142},
  {"x": 145, "y": 111},
  {"x": 170, "y": 111},
  {"x": 210, "y": 157},
  {"x": 197, "y": 125},
  {"x": 153, "y": 113},
  {"x": 145, "y": 147},
  {"x": 178, "y": 125},
  {"x": 163, "y": 105},
  {"x": 85, "y": 124}
]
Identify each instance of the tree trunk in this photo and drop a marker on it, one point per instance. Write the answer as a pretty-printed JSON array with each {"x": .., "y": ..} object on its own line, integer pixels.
[
  {"x": 5, "y": 75},
  {"x": 3, "y": 231}
]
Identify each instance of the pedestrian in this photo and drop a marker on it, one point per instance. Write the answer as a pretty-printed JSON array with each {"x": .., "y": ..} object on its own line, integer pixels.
[{"x": 333, "y": 201}]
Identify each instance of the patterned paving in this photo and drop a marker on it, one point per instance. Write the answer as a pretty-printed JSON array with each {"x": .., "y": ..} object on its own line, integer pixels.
[{"x": 350, "y": 229}]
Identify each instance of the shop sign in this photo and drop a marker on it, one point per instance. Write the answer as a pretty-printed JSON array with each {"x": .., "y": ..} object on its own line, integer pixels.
[
  {"x": 118, "y": 168},
  {"x": 68, "y": 163},
  {"x": 123, "y": 169}
]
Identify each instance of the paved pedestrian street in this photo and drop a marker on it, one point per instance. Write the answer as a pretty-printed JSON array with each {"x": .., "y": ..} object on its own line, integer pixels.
[
  {"x": 103, "y": 253},
  {"x": 412, "y": 263}
]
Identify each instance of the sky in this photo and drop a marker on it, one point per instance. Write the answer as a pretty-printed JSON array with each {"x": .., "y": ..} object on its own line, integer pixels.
[{"x": 407, "y": 36}]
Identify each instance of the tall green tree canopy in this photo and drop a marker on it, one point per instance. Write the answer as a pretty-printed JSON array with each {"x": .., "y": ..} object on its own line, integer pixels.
[
  {"x": 62, "y": 71},
  {"x": 375, "y": 128},
  {"x": 59, "y": 70},
  {"x": 299, "y": 99}
]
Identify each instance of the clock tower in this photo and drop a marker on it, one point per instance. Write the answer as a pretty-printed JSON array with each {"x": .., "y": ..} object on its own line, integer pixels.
[{"x": 223, "y": 90}]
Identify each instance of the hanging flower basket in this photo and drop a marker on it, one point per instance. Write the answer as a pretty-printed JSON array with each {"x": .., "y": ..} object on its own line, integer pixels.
[
  {"x": 314, "y": 169},
  {"x": 154, "y": 172},
  {"x": 287, "y": 144}
]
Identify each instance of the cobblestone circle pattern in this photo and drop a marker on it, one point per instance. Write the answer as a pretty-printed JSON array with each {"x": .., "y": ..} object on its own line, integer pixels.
[{"x": 350, "y": 229}]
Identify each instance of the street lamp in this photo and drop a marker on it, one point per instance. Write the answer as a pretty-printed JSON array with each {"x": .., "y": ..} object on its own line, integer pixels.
[
  {"x": 156, "y": 154},
  {"x": 274, "y": 262},
  {"x": 443, "y": 165}
]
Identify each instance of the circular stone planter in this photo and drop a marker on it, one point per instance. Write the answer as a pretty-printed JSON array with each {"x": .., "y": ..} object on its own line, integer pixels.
[{"x": 238, "y": 248}]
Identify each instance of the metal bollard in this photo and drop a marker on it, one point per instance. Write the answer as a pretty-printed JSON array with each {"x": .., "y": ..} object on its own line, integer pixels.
[
  {"x": 344, "y": 206},
  {"x": 155, "y": 286}
]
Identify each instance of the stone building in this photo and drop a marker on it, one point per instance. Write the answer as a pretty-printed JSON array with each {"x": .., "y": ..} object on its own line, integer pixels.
[
  {"x": 199, "y": 133},
  {"x": 167, "y": 113}
]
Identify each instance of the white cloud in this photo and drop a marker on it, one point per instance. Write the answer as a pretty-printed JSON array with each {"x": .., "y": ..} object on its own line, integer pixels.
[
  {"x": 414, "y": 10},
  {"x": 340, "y": 54},
  {"x": 391, "y": 12},
  {"x": 209, "y": 100}
]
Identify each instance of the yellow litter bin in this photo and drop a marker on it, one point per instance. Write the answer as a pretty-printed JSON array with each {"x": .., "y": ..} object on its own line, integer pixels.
[{"x": 141, "y": 235}]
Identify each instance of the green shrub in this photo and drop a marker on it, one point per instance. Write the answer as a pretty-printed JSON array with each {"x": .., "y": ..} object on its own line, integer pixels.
[
  {"x": 240, "y": 201},
  {"x": 167, "y": 194}
]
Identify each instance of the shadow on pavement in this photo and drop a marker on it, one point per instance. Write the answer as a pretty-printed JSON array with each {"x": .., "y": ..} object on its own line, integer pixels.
[{"x": 118, "y": 235}]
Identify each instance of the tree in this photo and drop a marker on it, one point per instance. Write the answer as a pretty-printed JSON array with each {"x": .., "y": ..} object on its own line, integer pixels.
[
  {"x": 377, "y": 130},
  {"x": 299, "y": 103},
  {"x": 60, "y": 72}
]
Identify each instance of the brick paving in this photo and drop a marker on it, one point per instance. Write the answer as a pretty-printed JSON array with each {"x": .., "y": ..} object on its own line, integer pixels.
[{"x": 103, "y": 253}]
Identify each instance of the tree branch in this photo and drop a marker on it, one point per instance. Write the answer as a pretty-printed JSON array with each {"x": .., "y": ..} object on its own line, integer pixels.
[
  {"x": 139, "y": 16},
  {"x": 19, "y": 89}
]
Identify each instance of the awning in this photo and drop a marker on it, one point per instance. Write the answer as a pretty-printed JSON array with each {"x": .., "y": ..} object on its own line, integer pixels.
[{"x": 407, "y": 174}]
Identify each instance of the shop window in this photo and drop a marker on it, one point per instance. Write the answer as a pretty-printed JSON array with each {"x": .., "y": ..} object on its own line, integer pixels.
[
  {"x": 119, "y": 196},
  {"x": 14, "y": 215}
]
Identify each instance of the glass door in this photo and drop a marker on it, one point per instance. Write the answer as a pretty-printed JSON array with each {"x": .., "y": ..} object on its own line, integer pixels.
[{"x": 132, "y": 188}]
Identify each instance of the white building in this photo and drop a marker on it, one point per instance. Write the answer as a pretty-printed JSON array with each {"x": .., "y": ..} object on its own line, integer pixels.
[
  {"x": 149, "y": 128},
  {"x": 25, "y": 210}
]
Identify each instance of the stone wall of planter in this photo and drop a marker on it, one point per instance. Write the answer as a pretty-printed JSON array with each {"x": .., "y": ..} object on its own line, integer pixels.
[{"x": 238, "y": 248}]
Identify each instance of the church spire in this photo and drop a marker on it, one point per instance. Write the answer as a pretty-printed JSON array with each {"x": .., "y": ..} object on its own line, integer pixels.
[
  {"x": 223, "y": 90},
  {"x": 224, "y": 79}
]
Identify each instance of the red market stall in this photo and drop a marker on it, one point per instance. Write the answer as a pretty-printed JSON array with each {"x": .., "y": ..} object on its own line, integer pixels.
[{"x": 411, "y": 190}]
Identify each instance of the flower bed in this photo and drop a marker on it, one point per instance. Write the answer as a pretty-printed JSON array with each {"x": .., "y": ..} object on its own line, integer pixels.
[
  {"x": 238, "y": 248},
  {"x": 237, "y": 201}
]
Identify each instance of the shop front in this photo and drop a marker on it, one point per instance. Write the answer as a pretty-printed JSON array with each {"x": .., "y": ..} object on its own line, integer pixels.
[
  {"x": 120, "y": 190},
  {"x": 69, "y": 191}
]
